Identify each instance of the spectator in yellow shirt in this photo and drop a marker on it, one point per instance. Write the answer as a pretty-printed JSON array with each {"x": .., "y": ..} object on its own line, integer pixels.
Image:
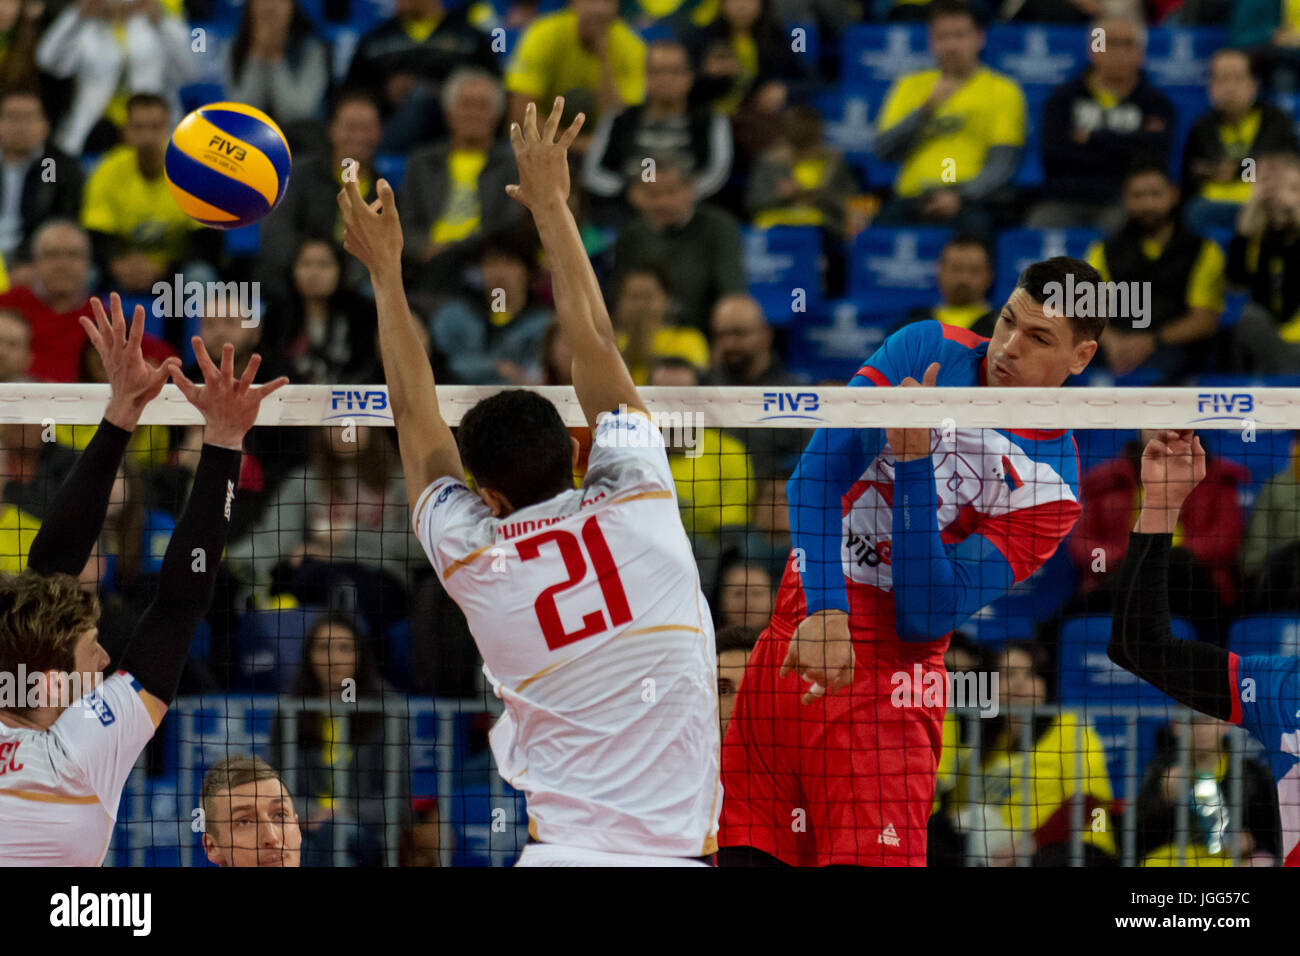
[
  {"x": 642, "y": 322},
  {"x": 957, "y": 130},
  {"x": 712, "y": 471},
  {"x": 586, "y": 54}
]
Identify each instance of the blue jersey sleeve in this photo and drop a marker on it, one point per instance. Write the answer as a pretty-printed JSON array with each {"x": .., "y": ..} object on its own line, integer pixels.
[
  {"x": 936, "y": 589},
  {"x": 1269, "y": 690},
  {"x": 837, "y": 457}
]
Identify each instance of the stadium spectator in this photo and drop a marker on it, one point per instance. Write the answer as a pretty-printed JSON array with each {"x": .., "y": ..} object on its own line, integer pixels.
[
  {"x": 19, "y": 29},
  {"x": 1209, "y": 832},
  {"x": 744, "y": 596},
  {"x": 281, "y": 65},
  {"x": 15, "y": 346},
  {"x": 494, "y": 335},
  {"x": 698, "y": 243},
  {"x": 339, "y": 753},
  {"x": 422, "y": 840},
  {"x": 1032, "y": 771},
  {"x": 712, "y": 470},
  {"x": 746, "y": 60},
  {"x": 585, "y": 53},
  {"x": 309, "y": 209},
  {"x": 1270, "y": 553},
  {"x": 643, "y": 319},
  {"x": 743, "y": 354},
  {"x": 735, "y": 643},
  {"x": 1205, "y": 566},
  {"x": 765, "y": 542},
  {"x": 1219, "y": 158},
  {"x": 345, "y": 506},
  {"x": 1270, "y": 30},
  {"x": 407, "y": 59},
  {"x": 57, "y": 296},
  {"x": 964, "y": 277},
  {"x": 138, "y": 233},
  {"x": 455, "y": 189},
  {"x": 38, "y": 181},
  {"x": 557, "y": 357},
  {"x": 113, "y": 51},
  {"x": 957, "y": 130},
  {"x": 150, "y": 445},
  {"x": 678, "y": 15},
  {"x": 666, "y": 122},
  {"x": 324, "y": 334},
  {"x": 34, "y": 470},
  {"x": 1096, "y": 126},
  {"x": 1168, "y": 335},
  {"x": 1264, "y": 257},
  {"x": 801, "y": 181},
  {"x": 241, "y": 790}
]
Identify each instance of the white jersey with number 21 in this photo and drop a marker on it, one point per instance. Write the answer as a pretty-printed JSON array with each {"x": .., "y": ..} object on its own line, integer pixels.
[{"x": 588, "y": 612}]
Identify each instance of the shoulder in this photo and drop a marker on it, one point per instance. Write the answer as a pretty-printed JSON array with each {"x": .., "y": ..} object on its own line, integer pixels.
[
  {"x": 116, "y": 162},
  {"x": 998, "y": 83},
  {"x": 551, "y": 27}
]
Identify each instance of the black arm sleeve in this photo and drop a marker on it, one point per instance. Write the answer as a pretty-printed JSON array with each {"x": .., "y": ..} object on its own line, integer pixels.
[
  {"x": 156, "y": 653},
  {"x": 1191, "y": 672},
  {"x": 68, "y": 533}
]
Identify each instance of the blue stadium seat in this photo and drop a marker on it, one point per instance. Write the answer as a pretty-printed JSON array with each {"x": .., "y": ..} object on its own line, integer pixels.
[
  {"x": 1037, "y": 54},
  {"x": 1018, "y": 248},
  {"x": 835, "y": 348},
  {"x": 780, "y": 261},
  {"x": 474, "y": 835},
  {"x": 850, "y": 124},
  {"x": 270, "y": 648},
  {"x": 1266, "y": 635},
  {"x": 243, "y": 242},
  {"x": 1180, "y": 56},
  {"x": 875, "y": 53},
  {"x": 893, "y": 270},
  {"x": 1099, "y": 445},
  {"x": 1030, "y": 173},
  {"x": 1090, "y": 681},
  {"x": 195, "y": 95},
  {"x": 1189, "y": 103},
  {"x": 1267, "y": 455},
  {"x": 391, "y": 166}
]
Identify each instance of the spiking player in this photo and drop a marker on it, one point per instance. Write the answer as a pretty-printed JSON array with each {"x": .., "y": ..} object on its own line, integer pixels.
[
  {"x": 899, "y": 535},
  {"x": 585, "y": 603},
  {"x": 1261, "y": 693},
  {"x": 62, "y": 767}
]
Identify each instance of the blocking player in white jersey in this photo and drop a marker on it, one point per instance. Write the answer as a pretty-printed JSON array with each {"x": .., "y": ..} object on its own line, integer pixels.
[
  {"x": 584, "y": 602},
  {"x": 65, "y": 756}
]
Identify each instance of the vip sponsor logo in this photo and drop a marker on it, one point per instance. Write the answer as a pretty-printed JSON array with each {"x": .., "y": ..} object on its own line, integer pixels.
[
  {"x": 796, "y": 405},
  {"x": 358, "y": 403},
  {"x": 868, "y": 553},
  {"x": 132, "y": 911}
]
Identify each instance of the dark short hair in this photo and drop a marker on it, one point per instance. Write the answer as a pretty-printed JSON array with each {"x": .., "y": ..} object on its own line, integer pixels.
[
  {"x": 1054, "y": 271},
  {"x": 353, "y": 95},
  {"x": 511, "y": 244},
  {"x": 655, "y": 269},
  {"x": 674, "y": 361},
  {"x": 736, "y": 637},
  {"x": 967, "y": 241},
  {"x": 515, "y": 443},
  {"x": 1146, "y": 166},
  {"x": 137, "y": 100},
  {"x": 939, "y": 9},
  {"x": 23, "y": 90}
]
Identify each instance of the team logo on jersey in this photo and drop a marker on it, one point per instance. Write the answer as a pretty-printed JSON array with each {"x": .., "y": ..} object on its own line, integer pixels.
[
  {"x": 889, "y": 836},
  {"x": 446, "y": 493},
  {"x": 1010, "y": 475},
  {"x": 100, "y": 706}
]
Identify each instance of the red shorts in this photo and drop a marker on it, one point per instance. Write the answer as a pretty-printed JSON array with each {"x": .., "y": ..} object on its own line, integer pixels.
[{"x": 846, "y": 780}]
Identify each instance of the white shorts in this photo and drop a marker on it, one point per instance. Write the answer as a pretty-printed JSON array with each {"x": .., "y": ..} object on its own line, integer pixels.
[{"x": 549, "y": 854}]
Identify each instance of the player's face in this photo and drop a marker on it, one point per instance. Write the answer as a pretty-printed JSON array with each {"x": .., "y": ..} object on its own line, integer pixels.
[
  {"x": 1030, "y": 349},
  {"x": 955, "y": 43},
  {"x": 89, "y": 656},
  {"x": 731, "y": 671},
  {"x": 964, "y": 275},
  {"x": 256, "y": 826},
  {"x": 1232, "y": 88}
]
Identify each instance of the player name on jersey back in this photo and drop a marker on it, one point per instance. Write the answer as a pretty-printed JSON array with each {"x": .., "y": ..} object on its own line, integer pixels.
[{"x": 588, "y": 612}]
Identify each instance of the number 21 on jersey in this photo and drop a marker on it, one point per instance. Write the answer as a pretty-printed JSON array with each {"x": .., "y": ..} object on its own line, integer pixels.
[{"x": 576, "y": 563}]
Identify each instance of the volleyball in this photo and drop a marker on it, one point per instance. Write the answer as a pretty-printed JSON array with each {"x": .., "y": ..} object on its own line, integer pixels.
[{"x": 227, "y": 165}]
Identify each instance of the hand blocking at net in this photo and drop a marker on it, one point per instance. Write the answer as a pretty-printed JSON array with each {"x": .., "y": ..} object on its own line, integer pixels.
[
  {"x": 133, "y": 382},
  {"x": 229, "y": 405},
  {"x": 1173, "y": 463},
  {"x": 543, "y": 161}
]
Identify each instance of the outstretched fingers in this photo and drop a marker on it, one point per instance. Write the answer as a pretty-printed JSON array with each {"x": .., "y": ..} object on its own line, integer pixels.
[{"x": 571, "y": 133}]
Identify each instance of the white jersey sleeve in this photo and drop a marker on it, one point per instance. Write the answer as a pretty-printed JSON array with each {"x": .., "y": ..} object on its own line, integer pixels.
[
  {"x": 103, "y": 735},
  {"x": 445, "y": 516},
  {"x": 627, "y": 451}
]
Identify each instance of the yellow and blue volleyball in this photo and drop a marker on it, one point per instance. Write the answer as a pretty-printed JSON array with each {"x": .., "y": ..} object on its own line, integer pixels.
[{"x": 227, "y": 165}]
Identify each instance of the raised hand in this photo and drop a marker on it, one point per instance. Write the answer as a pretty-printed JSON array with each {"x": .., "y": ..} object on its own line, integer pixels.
[
  {"x": 229, "y": 405},
  {"x": 912, "y": 443},
  {"x": 1173, "y": 463},
  {"x": 542, "y": 159},
  {"x": 372, "y": 232},
  {"x": 133, "y": 381},
  {"x": 821, "y": 651}
]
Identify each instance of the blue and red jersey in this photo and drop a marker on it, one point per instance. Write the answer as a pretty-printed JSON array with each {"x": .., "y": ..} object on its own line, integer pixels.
[{"x": 1266, "y": 701}]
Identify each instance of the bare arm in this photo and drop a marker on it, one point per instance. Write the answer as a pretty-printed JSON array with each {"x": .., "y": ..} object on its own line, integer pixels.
[
  {"x": 600, "y": 377},
  {"x": 374, "y": 236}
]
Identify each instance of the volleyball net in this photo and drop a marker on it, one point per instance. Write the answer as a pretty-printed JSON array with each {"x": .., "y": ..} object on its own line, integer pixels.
[{"x": 333, "y": 652}]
